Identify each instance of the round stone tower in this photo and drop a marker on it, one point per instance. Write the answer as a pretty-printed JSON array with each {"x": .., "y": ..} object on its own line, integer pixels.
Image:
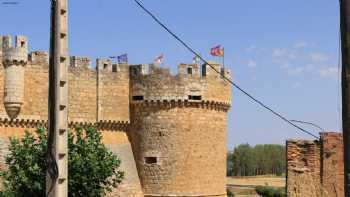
[
  {"x": 14, "y": 58},
  {"x": 179, "y": 130}
]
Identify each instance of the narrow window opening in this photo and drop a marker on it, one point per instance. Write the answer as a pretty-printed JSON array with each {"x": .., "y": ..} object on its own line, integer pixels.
[
  {"x": 204, "y": 70},
  {"x": 189, "y": 71},
  {"x": 222, "y": 72},
  {"x": 23, "y": 44},
  {"x": 137, "y": 98},
  {"x": 114, "y": 68},
  {"x": 133, "y": 71},
  {"x": 151, "y": 160},
  {"x": 105, "y": 66},
  {"x": 197, "y": 98}
]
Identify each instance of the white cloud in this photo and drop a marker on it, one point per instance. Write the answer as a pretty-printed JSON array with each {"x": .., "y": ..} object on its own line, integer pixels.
[
  {"x": 251, "y": 64},
  {"x": 329, "y": 72},
  {"x": 296, "y": 71},
  {"x": 251, "y": 48},
  {"x": 284, "y": 53},
  {"x": 279, "y": 52},
  {"x": 300, "y": 45},
  {"x": 319, "y": 57}
]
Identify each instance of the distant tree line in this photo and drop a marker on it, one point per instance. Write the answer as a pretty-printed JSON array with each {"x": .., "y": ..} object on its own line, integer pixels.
[{"x": 265, "y": 159}]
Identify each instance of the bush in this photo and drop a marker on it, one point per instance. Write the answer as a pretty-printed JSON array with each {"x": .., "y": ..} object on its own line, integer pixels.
[
  {"x": 266, "y": 191},
  {"x": 229, "y": 193},
  {"x": 93, "y": 169}
]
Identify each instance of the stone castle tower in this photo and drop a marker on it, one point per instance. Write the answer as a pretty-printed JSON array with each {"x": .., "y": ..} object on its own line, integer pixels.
[
  {"x": 178, "y": 130},
  {"x": 169, "y": 130}
]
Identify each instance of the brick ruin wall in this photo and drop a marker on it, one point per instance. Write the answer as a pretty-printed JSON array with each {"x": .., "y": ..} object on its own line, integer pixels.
[
  {"x": 316, "y": 168},
  {"x": 178, "y": 131}
]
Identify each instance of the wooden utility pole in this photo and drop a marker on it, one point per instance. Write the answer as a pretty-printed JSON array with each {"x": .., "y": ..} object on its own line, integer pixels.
[
  {"x": 345, "y": 45},
  {"x": 57, "y": 157}
]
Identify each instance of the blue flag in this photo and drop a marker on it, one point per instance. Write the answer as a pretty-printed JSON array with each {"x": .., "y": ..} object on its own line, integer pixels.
[{"x": 123, "y": 58}]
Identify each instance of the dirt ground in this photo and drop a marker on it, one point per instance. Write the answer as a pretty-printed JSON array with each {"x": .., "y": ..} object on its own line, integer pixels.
[
  {"x": 245, "y": 186},
  {"x": 257, "y": 180}
]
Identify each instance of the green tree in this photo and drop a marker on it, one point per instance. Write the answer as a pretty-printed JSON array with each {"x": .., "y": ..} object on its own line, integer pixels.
[
  {"x": 229, "y": 164},
  {"x": 93, "y": 169},
  {"x": 257, "y": 160}
]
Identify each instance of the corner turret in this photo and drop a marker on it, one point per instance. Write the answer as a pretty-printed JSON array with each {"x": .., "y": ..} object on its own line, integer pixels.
[{"x": 14, "y": 58}]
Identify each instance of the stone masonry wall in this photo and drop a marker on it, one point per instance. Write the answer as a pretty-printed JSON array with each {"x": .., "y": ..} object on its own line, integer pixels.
[
  {"x": 83, "y": 92},
  {"x": 177, "y": 124},
  {"x": 188, "y": 143},
  {"x": 316, "y": 168},
  {"x": 178, "y": 131},
  {"x": 113, "y": 90},
  {"x": 83, "y": 109}
]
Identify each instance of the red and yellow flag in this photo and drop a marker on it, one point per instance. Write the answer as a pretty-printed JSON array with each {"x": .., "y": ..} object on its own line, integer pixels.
[{"x": 217, "y": 51}]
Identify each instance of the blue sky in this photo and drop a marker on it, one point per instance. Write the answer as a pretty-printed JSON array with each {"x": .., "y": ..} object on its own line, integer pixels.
[{"x": 283, "y": 52}]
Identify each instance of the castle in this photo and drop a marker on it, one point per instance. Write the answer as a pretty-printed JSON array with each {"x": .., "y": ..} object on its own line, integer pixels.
[{"x": 170, "y": 131}]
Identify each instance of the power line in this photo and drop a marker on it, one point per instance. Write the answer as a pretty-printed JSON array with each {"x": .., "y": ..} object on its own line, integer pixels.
[
  {"x": 222, "y": 75},
  {"x": 309, "y": 123}
]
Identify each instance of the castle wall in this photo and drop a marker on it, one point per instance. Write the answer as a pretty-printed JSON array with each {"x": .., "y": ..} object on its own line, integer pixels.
[
  {"x": 96, "y": 98},
  {"x": 188, "y": 149},
  {"x": 177, "y": 124},
  {"x": 82, "y": 95},
  {"x": 316, "y": 168},
  {"x": 130, "y": 187},
  {"x": 113, "y": 94},
  {"x": 178, "y": 132}
]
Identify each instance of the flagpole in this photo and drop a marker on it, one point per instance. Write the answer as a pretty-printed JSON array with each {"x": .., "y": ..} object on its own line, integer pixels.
[{"x": 223, "y": 58}]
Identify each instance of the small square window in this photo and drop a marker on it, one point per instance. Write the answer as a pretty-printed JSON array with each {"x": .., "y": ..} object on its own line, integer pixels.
[
  {"x": 23, "y": 44},
  {"x": 151, "y": 160},
  {"x": 192, "y": 97},
  {"x": 189, "y": 71},
  {"x": 114, "y": 68},
  {"x": 137, "y": 98},
  {"x": 105, "y": 66}
]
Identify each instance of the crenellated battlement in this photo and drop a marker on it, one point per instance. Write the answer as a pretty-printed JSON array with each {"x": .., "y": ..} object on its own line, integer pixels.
[
  {"x": 144, "y": 84},
  {"x": 17, "y": 54},
  {"x": 80, "y": 62},
  {"x": 183, "y": 70},
  {"x": 153, "y": 85},
  {"x": 166, "y": 117},
  {"x": 38, "y": 57}
]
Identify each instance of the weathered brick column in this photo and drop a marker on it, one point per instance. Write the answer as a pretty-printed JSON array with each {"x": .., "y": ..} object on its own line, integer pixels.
[{"x": 315, "y": 168}]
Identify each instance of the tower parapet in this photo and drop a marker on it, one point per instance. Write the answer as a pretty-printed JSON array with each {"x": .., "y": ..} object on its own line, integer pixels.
[
  {"x": 14, "y": 59},
  {"x": 178, "y": 130},
  {"x": 15, "y": 55},
  {"x": 191, "y": 84}
]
